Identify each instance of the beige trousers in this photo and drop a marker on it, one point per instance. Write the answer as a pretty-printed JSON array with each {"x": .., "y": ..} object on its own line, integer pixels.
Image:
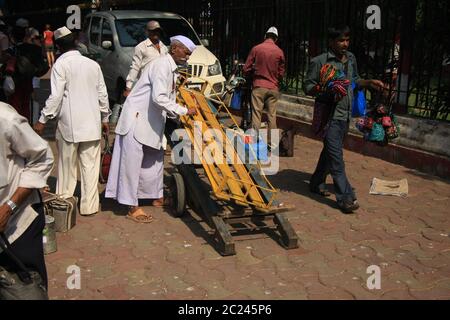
[
  {"x": 261, "y": 98},
  {"x": 87, "y": 154}
]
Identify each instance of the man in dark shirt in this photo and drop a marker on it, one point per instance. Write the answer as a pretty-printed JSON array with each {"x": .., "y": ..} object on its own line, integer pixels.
[
  {"x": 266, "y": 63},
  {"x": 332, "y": 158}
]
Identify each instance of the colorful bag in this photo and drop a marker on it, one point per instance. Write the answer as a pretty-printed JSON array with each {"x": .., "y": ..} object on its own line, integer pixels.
[
  {"x": 386, "y": 121},
  {"x": 377, "y": 134},
  {"x": 394, "y": 130}
]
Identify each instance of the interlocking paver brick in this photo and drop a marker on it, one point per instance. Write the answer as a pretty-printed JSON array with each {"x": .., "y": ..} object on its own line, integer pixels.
[{"x": 408, "y": 238}]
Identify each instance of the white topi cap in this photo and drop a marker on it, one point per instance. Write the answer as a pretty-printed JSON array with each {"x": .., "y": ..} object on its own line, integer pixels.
[
  {"x": 185, "y": 41},
  {"x": 61, "y": 32},
  {"x": 273, "y": 30}
]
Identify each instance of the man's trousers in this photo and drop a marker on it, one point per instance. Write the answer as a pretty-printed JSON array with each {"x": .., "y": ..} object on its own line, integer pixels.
[
  {"x": 331, "y": 161},
  {"x": 261, "y": 98},
  {"x": 87, "y": 155}
]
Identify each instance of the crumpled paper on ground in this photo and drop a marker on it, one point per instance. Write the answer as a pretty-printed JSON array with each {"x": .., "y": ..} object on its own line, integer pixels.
[{"x": 389, "y": 188}]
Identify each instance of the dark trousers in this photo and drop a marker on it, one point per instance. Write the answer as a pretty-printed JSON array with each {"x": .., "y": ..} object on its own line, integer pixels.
[
  {"x": 29, "y": 249},
  {"x": 331, "y": 161}
]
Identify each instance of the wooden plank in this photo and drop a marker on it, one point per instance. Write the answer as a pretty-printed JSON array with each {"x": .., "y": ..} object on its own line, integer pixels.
[
  {"x": 226, "y": 243},
  {"x": 227, "y": 174},
  {"x": 253, "y": 169},
  {"x": 289, "y": 238}
]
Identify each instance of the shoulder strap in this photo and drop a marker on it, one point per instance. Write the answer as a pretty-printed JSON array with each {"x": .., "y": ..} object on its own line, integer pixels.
[{"x": 24, "y": 273}]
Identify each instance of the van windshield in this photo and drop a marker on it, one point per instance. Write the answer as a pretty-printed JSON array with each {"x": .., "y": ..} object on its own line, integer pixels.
[{"x": 132, "y": 31}]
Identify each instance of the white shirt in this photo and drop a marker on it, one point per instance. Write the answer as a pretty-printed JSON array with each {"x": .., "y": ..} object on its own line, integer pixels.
[
  {"x": 78, "y": 98},
  {"x": 152, "y": 98},
  {"x": 26, "y": 160},
  {"x": 144, "y": 52}
]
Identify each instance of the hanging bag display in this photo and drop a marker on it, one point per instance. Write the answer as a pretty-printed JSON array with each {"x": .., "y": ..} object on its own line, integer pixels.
[{"x": 377, "y": 134}]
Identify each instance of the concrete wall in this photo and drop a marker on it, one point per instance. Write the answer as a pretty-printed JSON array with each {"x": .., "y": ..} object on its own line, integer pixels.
[
  {"x": 423, "y": 145},
  {"x": 426, "y": 135}
]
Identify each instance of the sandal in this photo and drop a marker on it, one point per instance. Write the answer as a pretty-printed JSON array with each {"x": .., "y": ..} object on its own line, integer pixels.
[{"x": 140, "y": 216}]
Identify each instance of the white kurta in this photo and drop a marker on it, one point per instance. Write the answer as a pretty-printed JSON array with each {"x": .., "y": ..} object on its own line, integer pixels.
[
  {"x": 144, "y": 52},
  {"x": 26, "y": 160},
  {"x": 137, "y": 166},
  {"x": 79, "y": 101},
  {"x": 151, "y": 100}
]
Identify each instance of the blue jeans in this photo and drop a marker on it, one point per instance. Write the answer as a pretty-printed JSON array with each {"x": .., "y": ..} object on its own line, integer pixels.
[{"x": 331, "y": 161}]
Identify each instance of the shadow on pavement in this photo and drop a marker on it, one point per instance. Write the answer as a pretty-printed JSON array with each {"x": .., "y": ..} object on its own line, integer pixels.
[{"x": 298, "y": 182}]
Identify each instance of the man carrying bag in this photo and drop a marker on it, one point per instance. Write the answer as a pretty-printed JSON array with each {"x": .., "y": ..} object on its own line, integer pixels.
[{"x": 26, "y": 161}]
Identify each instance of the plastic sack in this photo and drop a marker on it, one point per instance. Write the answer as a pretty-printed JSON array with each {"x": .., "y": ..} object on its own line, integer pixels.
[
  {"x": 258, "y": 149},
  {"x": 236, "y": 100},
  {"x": 359, "y": 103}
]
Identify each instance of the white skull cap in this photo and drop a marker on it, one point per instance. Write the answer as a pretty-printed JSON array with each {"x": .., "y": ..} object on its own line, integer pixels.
[
  {"x": 61, "y": 32},
  {"x": 273, "y": 30},
  {"x": 185, "y": 41}
]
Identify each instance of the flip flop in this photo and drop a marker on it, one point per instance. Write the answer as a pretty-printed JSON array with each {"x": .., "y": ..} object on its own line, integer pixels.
[{"x": 140, "y": 216}]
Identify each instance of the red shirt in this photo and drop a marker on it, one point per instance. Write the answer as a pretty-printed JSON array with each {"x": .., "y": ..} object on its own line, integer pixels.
[
  {"x": 48, "y": 37},
  {"x": 267, "y": 62}
]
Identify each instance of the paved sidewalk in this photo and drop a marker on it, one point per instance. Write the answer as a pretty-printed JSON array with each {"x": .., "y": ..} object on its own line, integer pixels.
[
  {"x": 172, "y": 259},
  {"x": 408, "y": 238}
]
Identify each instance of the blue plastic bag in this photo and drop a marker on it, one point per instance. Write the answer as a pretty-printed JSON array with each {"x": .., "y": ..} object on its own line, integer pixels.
[
  {"x": 359, "y": 102},
  {"x": 236, "y": 100},
  {"x": 258, "y": 149}
]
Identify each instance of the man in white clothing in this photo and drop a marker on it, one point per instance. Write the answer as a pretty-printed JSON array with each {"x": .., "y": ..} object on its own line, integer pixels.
[
  {"x": 149, "y": 49},
  {"x": 137, "y": 165},
  {"x": 80, "y": 103},
  {"x": 26, "y": 161}
]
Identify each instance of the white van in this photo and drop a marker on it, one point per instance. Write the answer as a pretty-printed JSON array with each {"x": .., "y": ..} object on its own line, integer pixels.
[{"x": 112, "y": 36}]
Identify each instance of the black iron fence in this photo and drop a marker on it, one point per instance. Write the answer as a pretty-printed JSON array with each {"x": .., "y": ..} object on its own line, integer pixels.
[{"x": 411, "y": 51}]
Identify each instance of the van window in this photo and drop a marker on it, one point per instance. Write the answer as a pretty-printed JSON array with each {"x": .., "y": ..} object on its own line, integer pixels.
[
  {"x": 132, "y": 31},
  {"x": 106, "y": 31},
  {"x": 94, "y": 35},
  {"x": 85, "y": 25}
]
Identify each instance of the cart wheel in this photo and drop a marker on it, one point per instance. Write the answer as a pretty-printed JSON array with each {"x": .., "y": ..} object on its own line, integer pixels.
[{"x": 178, "y": 195}]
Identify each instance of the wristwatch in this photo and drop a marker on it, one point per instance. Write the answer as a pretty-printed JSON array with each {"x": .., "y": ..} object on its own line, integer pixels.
[{"x": 12, "y": 205}]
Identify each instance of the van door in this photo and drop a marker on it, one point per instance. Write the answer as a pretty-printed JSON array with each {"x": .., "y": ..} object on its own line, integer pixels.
[
  {"x": 94, "y": 35},
  {"x": 109, "y": 59}
]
